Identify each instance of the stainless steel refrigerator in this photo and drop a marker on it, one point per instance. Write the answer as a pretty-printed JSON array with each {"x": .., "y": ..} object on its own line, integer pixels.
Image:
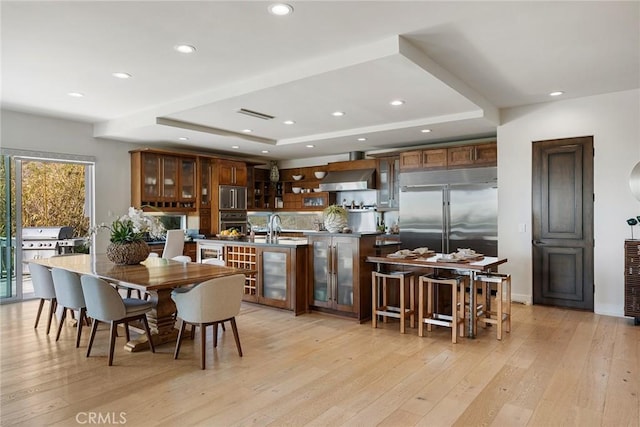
[{"x": 451, "y": 209}]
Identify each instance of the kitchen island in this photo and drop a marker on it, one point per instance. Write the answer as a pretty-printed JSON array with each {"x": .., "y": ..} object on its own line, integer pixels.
[{"x": 280, "y": 278}]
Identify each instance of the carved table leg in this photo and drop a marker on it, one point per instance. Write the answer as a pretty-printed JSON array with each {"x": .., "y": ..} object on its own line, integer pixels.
[{"x": 161, "y": 322}]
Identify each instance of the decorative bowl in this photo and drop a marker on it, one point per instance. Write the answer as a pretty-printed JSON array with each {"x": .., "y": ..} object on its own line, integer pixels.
[
  {"x": 296, "y": 190},
  {"x": 317, "y": 190},
  {"x": 320, "y": 174},
  {"x": 297, "y": 177}
]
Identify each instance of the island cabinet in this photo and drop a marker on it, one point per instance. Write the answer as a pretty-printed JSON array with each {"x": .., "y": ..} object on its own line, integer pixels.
[
  {"x": 162, "y": 181},
  {"x": 340, "y": 277},
  {"x": 280, "y": 274}
]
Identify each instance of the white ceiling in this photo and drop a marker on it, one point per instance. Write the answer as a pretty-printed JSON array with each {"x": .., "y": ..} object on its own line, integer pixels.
[{"x": 455, "y": 64}]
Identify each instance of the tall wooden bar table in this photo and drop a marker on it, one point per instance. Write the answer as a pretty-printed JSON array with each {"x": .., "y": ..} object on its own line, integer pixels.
[
  {"x": 156, "y": 276},
  {"x": 472, "y": 268}
]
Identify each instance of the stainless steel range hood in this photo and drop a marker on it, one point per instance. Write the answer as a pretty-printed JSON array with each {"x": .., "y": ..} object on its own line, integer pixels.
[{"x": 349, "y": 180}]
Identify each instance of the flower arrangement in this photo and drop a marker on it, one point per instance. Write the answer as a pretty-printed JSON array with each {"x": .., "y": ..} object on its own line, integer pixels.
[{"x": 134, "y": 226}]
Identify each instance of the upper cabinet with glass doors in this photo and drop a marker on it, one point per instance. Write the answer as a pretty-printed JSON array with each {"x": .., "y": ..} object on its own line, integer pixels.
[{"x": 163, "y": 181}]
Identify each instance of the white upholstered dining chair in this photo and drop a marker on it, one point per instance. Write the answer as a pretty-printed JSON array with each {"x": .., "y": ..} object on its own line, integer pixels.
[
  {"x": 104, "y": 304},
  {"x": 70, "y": 297},
  {"x": 210, "y": 303},
  {"x": 43, "y": 288},
  {"x": 174, "y": 244}
]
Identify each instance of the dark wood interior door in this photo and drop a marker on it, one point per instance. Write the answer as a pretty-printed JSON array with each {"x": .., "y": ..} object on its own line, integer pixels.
[{"x": 563, "y": 222}]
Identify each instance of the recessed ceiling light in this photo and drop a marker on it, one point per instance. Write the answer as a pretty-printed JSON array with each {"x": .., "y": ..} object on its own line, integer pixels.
[
  {"x": 264, "y": 151},
  {"x": 235, "y": 147},
  {"x": 247, "y": 130},
  {"x": 309, "y": 145},
  {"x": 121, "y": 75},
  {"x": 184, "y": 48},
  {"x": 362, "y": 139},
  {"x": 425, "y": 130},
  {"x": 76, "y": 94},
  {"x": 556, "y": 93},
  {"x": 280, "y": 9},
  {"x": 396, "y": 102},
  {"x": 183, "y": 138},
  {"x": 338, "y": 113},
  {"x": 288, "y": 122}
]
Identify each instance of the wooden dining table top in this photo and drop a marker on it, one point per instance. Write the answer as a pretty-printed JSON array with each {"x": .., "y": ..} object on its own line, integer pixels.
[{"x": 152, "y": 274}]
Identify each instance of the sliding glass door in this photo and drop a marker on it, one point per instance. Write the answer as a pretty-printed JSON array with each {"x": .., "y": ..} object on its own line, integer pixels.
[{"x": 39, "y": 191}]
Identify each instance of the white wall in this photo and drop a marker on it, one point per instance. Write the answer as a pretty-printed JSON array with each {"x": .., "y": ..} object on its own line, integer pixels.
[
  {"x": 112, "y": 169},
  {"x": 614, "y": 121}
]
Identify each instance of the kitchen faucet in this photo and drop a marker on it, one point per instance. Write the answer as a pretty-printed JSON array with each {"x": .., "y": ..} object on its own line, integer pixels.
[{"x": 273, "y": 228}]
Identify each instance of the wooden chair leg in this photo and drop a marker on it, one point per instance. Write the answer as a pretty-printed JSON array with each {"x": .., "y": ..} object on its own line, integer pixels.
[
  {"x": 223, "y": 328},
  {"x": 39, "y": 312},
  {"x": 203, "y": 344},
  {"x": 62, "y": 319},
  {"x": 420, "y": 308},
  {"x": 215, "y": 335},
  {"x": 235, "y": 335},
  {"x": 454, "y": 313},
  {"x": 180, "y": 332},
  {"x": 112, "y": 341},
  {"x": 402, "y": 306},
  {"x": 52, "y": 310},
  {"x": 94, "y": 328},
  {"x": 127, "y": 334},
  {"x": 83, "y": 317},
  {"x": 508, "y": 301},
  {"x": 374, "y": 300}
]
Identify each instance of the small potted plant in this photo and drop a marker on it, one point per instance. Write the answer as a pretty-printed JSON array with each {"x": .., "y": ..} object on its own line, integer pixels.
[{"x": 335, "y": 218}]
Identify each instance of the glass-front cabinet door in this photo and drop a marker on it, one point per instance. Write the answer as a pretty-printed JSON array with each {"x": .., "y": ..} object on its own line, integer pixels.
[
  {"x": 274, "y": 264},
  {"x": 151, "y": 176},
  {"x": 344, "y": 252},
  {"x": 321, "y": 271},
  {"x": 170, "y": 177},
  {"x": 188, "y": 182},
  {"x": 205, "y": 182}
]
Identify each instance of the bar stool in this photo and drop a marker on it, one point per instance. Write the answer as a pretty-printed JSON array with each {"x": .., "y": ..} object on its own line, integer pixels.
[
  {"x": 502, "y": 313},
  {"x": 379, "y": 291},
  {"x": 455, "y": 321}
]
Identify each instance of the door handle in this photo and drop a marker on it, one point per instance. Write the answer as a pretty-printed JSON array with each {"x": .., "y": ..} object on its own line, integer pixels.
[{"x": 538, "y": 243}]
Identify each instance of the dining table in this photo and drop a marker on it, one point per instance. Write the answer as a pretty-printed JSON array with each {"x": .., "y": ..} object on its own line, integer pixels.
[
  {"x": 470, "y": 266},
  {"x": 155, "y": 276}
]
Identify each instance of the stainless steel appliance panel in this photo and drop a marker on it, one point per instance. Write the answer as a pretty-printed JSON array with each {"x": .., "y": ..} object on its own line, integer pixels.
[
  {"x": 473, "y": 213},
  {"x": 233, "y": 198},
  {"x": 422, "y": 217},
  {"x": 233, "y": 219}
]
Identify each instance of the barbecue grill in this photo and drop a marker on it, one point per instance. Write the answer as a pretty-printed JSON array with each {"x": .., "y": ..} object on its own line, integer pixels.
[{"x": 45, "y": 242}]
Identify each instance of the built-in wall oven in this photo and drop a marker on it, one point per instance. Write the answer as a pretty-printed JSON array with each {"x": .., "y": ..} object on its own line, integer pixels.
[
  {"x": 210, "y": 253},
  {"x": 233, "y": 220}
]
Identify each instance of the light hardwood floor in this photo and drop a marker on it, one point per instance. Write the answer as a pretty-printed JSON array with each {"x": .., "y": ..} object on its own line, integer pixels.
[{"x": 556, "y": 367}]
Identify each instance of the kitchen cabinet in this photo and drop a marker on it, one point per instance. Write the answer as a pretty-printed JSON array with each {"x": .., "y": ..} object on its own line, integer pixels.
[
  {"x": 632, "y": 279},
  {"x": 435, "y": 158},
  {"x": 280, "y": 274},
  {"x": 472, "y": 155},
  {"x": 388, "y": 182},
  {"x": 231, "y": 172},
  {"x": 261, "y": 194},
  {"x": 340, "y": 277},
  {"x": 465, "y": 156},
  {"x": 308, "y": 201},
  {"x": 163, "y": 181},
  {"x": 205, "y": 170}
]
